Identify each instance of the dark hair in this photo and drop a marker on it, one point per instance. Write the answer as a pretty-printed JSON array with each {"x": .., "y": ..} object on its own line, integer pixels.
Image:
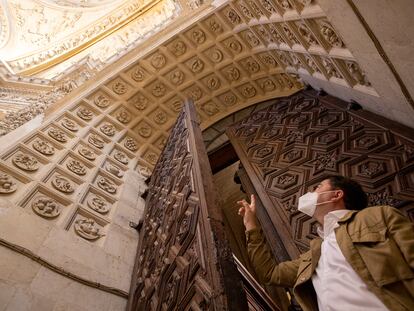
[{"x": 354, "y": 196}]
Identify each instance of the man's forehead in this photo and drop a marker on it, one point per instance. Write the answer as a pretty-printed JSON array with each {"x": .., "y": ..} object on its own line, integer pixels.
[{"x": 325, "y": 182}]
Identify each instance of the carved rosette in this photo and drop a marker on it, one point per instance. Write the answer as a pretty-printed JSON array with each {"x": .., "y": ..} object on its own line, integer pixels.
[
  {"x": 108, "y": 129},
  {"x": 57, "y": 135},
  {"x": 98, "y": 204},
  {"x": 76, "y": 166},
  {"x": 7, "y": 184},
  {"x": 138, "y": 74},
  {"x": 198, "y": 36},
  {"x": 107, "y": 185},
  {"x": 88, "y": 229},
  {"x": 179, "y": 48},
  {"x": 87, "y": 153},
  {"x": 119, "y": 88},
  {"x": 140, "y": 102},
  {"x": 43, "y": 147},
  {"x": 102, "y": 101},
  {"x": 70, "y": 125},
  {"x": 85, "y": 113},
  {"x": 158, "y": 61},
  {"x": 46, "y": 207},
  {"x": 131, "y": 144},
  {"x": 114, "y": 170},
  {"x": 63, "y": 184},
  {"x": 96, "y": 141},
  {"x": 121, "y": 157},
  {"x": 123, "y": 116},
  {"x": 25, "y": 162}
]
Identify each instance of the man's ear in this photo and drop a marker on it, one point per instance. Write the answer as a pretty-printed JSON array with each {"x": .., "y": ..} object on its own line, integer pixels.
[{"x": 339, "y": 194}]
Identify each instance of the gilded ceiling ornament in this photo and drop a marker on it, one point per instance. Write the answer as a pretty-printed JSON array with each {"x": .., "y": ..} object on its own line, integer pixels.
[
  {"x": 160, "y": 117},
  {"x": 114, "y": 170},
  {"x": 121, "y": 157},
  {"x": 268, "y": 6},
  {"x": 131, "y": 144},
  {"x": 138, "y": 74},
  {"x": 123, "y": 116},
  {"x": 102, "y": 101},
  {"x": 76, "y": 166},
  {"x": 119, "y": 88},
  {"x": 43, "y": 147},
  {"x": 25, "y": 162},
  {"x": 57, "y": 135},
  {"x": 46, "y": 207},
  {"x": 96, "y": 141},
  {"x": 177, "y": 77},
  {"x": 87, "y": 153},
  {"x": 233, "y": 17},
  {"x": 233, "y": 73},
  {"x": 62, "y": 184},
  {"x": 230, "y": 99},
  {"x": 213, "y": 83},
  {"x": 159, "y": 89},
  {"x": 70, "y": 125},
  {"x": 7, "y": 183},
  {"x": 216, "y": 55},
  {"x": 158, "y": 61},
  {"x": 198, "y": 36},
  {"x": 307, "y": 34},
  {"x": 235, "y": 46},
  {"x": 140, "y": 102},
  {"x": 246, "y": 11},
  {"x": 179, "y": 48},
  {"x": 248, "y": 91},
  {"x": 87, "y": 229},
  {"x": 195, "y": 93},
  {"x": 251, "y": 38},
  {"x": 357, "y": 74},
  {"x": 215, "y": 26},
  {"x": 98, "y": 204},
  {"x": 210, "y": 108},
  {"x": 151, "y": 157},
  {"x": 84, "y": 113},
  {"x": 108, "y": 129},
  {"x": 145, "y": 130},
  {"x": 268, "y": 85},
  {"x": 107, "y": 184},
  {"x": 330, "y": 35},
  {"x": 197, "y": 65},
  {"x": 285, "y": 4}
]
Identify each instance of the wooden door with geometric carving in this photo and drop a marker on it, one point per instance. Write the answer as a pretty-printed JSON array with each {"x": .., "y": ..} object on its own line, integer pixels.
[
  {"x": 183, "y": 261},
  {"x": 289, "y": 147}
]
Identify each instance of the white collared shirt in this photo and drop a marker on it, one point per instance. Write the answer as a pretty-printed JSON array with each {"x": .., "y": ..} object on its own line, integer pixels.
[{"x": 337, "y": 285}]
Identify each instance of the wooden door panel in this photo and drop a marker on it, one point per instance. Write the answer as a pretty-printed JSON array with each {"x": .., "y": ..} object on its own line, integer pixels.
[
  {"x": 183, "y": 261},
  {"x": 289, "y": 147}
]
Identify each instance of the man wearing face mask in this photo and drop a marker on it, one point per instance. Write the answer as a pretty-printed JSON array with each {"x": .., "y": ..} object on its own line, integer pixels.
[{"x": 363, "y": 260}]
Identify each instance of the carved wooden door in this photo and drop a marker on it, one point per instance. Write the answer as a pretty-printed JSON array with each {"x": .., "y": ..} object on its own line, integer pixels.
[
  {"x": 289, "y": 147},
  {"x": 183, "y": 262}
]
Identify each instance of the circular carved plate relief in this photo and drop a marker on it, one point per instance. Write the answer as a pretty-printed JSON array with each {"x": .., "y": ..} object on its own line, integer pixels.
[
  {"x": 7, "y": 183},
  {"x": 46, "y": 207}
]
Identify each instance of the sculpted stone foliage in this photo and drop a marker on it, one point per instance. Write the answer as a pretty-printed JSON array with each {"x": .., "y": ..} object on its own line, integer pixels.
[
  {"x": 330, "y": 35},
  {"x": 98, "y": 204},
  {"x": 85, "y": 113},
  {"x": 25, "y": 162},
  {"x": 102, "y": 101},
  {"x": 88, "y": 229},
  {"x": 121, "y": 157},
  {"x": 87, "y": 153},
  {"x": 145, "y": 130},
  {"x": 76, "y": 166},
  {"x": 159, "y": 89},
  {"x": 357, "y": 74},
  {"x": 131, "y": 144},
  {"x": 63, "y": 184},
  {"x": 119, "y": 88},
  {"x": 160, "y": 117},
  {"x": 330, "y": 68},
  {"x": 7, "y": 184},
  {"x": 96, "y": 141},
  {"x": 46, "y": 207},
  {"x": 108, "y": 129},
  {"x": 107, "y": 185},
  {"x": 43, "y": 147},
  {"x": 70, "y": 124},
  {"x": 58, "y": 135},
  {"x": 307, "y": 34}
]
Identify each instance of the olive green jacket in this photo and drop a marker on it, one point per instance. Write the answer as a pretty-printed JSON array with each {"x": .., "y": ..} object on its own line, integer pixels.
[{"x": 378, "y": 243}]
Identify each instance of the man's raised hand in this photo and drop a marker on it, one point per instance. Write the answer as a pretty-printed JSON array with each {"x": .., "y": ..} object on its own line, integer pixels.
[{"x": 248, "y": 212}]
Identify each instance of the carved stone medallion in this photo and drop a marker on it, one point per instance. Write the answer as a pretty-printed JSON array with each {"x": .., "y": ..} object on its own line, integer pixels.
[
  {"x": 158, "y": 61},
  {"x": 197, "y": 65},
  {"x": 63, "y": 184},
  {"x": 96, "y": 141},
  {"x": 177, "y": 77},
  {"x": 232, "y": 73},
  {"x": 123, "y": 116},
  {"x": 98, "y": 204},
  {"x": 43, "y": 147},
  {"x": 210, "y": 108},
  {"x": 88, "y": 229},
  {"x": 131, "y": 144},
  {"x": 198, "y": 36},
  {"x": 76, "y": 166},
  {"x": 160, "y": 117},
  {"x": 233, "y": 17},
  {"x": 46, "y": 207},
  {"x": 87, "y": 153},
  {"x": 329, "y": 34},
  {"x": 57, "y": 135},
  {"x": 121, "y": 157},
  {"x": 179, "y": 48},
  {"x": 25, "y": 162},
  {"x": 102, "y": 101},
  {"x": 140, "y": 102},
  {"x": 84, "y": 113},
  {"x": 7, "y": 183},
  {"x": 114, "y": 170},
  {"x": 119, "y": 88},
  {"x": 70, "y": 125},
  {"x": 213, "y": 83},
  {"x": 235, "y": 46},
  {"x": 107, "y": 185},
  {"x": 159, "y": 89},
  {"x": 138, "y": 74},
  {"x": 108, "y": 129}
]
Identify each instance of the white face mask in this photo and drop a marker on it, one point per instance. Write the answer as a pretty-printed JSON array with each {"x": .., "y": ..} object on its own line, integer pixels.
[{"x": 309, "y": 201}]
